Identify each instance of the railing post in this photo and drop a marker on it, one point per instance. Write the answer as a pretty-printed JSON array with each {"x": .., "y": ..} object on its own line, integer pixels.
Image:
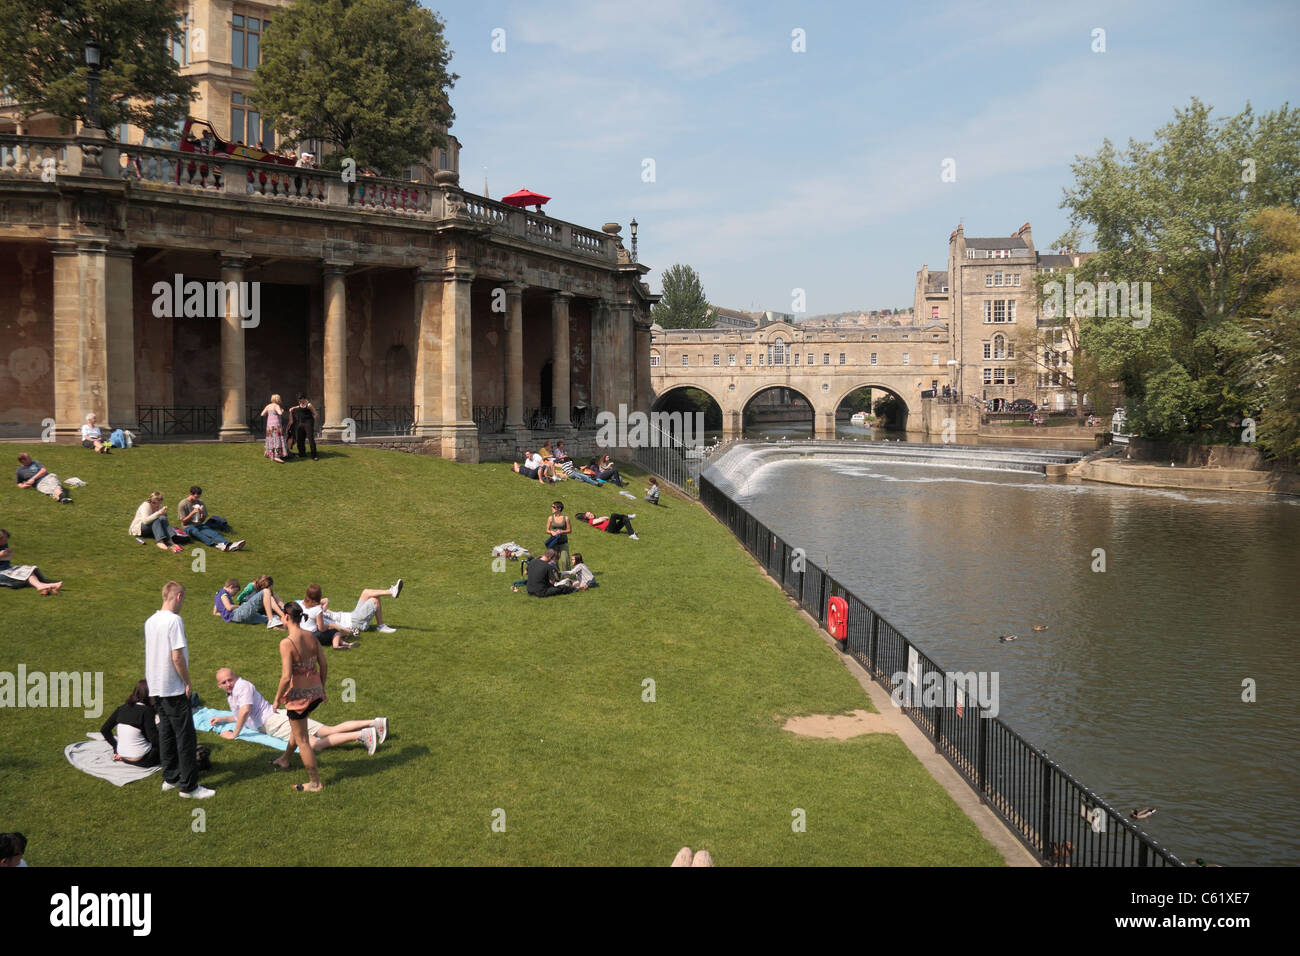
[
  {"x": 875, "y": 639},
  {"x": 1045, "y": 824}
]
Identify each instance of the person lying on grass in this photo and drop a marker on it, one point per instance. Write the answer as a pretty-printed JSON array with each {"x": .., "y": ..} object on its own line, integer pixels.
[
  {"x": 251, "y": 709},
  {"x": 21, "y": 575},
  {"x": 613, "y": 523},
  {"x": 534, "y": 466},
  {"x": 369, "y": 607},
  {"x": 258, "y": 607}
]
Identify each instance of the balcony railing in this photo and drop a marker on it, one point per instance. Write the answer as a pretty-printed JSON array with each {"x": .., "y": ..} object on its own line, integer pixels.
[{"x": 26, "y": 157}]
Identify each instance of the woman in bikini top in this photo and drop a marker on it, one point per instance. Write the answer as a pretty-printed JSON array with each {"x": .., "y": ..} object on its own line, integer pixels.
[{"x": 301, "y": 690}]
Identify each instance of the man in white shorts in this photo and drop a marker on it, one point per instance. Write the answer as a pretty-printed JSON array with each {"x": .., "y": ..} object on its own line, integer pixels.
[
  {"x": 250, "y": 708},
  {"x": 369, "y": 607}
]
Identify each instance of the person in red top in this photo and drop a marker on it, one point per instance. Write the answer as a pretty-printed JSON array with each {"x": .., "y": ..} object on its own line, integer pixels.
[{"x": 613, "y": 523}]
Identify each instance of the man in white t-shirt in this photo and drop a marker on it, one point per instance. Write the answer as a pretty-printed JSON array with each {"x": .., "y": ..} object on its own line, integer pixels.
[
  {"x": 250, "y": 707},
  {"x": 166, "y": 670}
]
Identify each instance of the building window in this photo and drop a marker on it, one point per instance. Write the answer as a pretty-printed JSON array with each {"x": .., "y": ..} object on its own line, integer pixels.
[
  {"x": 1011, "y": 310},
  {"x": 907, "y": 358},
  {"x": 810, "y": 358},
  {"x": 826, "y": 358},
  {"x": 874, "y": 336},
  {"x": 873, "y": 358},
  {"x": 717, "y": 359},
  {"x": 760, "y": 358},
  {"x": 796, "y": 357},
  {"x": 988, "y": 351},
  {"x": 934, "y": 358},
  {"x": 1017, "y": 278},
  {"x": 999, "y": 310},
  {"x": 778, "y": 352},
  {"x": 654, "y": 359},
  {"x": 988, "y": 376},
  {"x": 246, "y": 43},
  {"x": 749, "y": 358},
  {"x": 999, "y": 346},
  {"x": 842, "y": 357},
  {"x": 686, "y": 360},
  {"x": 731, "y": 358},
  {"x": 905, "y": 337},
  {"x": 988, "y": 280},
  {"x": 180, "y": 42},
  {"x": 934, "y": 313}
]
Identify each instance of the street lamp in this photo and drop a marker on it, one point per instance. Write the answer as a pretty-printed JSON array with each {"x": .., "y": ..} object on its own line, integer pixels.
[
  {"x": 632, "y": 225},
  {"x": 92, "y": 91}
]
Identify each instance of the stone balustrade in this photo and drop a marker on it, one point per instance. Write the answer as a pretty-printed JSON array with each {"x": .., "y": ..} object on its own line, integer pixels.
[{"x": 26, "y": 157}]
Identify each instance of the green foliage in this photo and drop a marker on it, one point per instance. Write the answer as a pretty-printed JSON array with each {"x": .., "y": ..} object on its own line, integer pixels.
[
  {"x": 858, "y": 400},
  {"x": 368, "y": 77},
  {"x": 42, "y": 60},
  {"x": 1277, "y": 334},
  {"x": 1179, "y": 213},
  {"x": 683, "y": 304}
]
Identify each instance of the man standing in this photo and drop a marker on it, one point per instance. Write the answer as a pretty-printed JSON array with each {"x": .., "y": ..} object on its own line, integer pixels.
[
  {"x": 198, "y": 524},
  {"x": 167, "y": 671},
  {"x": 302, "y": 427},
  {"x": 32, "y": 473}
]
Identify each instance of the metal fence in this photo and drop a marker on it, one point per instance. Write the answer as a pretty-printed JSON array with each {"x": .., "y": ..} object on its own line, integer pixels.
[
  {"x": 158, "y": 421},
  {"x": 678, "y": 464},
  {"x": 385, "y": 419},
  {"x": 1054, "y": 815}
]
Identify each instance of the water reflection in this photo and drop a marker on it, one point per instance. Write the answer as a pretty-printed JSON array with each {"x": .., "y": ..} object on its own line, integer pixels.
[{"x": 1136, "y": 684}]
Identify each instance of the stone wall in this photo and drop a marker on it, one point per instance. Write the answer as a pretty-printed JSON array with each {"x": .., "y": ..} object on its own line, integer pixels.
[
  {"x": 1205, "y": 456},
  {"x": 26, "y": 339}
]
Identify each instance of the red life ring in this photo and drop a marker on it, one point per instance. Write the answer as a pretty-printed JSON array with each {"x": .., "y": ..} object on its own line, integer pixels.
[{"x": 837, "y": 618}]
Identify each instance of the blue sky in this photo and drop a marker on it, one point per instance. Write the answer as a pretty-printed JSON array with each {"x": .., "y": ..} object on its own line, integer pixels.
[{"x": 820, "y": 170}]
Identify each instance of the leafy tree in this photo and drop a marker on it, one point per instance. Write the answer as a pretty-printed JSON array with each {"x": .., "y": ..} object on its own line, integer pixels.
[
  {"x": 1178, "y": 213},
  {"x": 1277, "y": 368},
  {"x": 368, "y": 77},
  {"x": 42, "y": 60},
  {"x": 683, "y": 304}
]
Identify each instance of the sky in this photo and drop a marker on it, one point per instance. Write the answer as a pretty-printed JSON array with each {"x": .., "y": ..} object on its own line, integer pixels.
[{"x": 770, "y": 169}]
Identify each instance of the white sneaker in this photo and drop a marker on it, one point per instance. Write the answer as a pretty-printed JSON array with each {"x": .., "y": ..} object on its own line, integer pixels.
[
  {"x": 396, "y": 589},
  {"x": 222, "y": 546},
  {"x": 199, "y": 793},
  {"x": 385, "y": 629},
  {"x": 168, "y": 786},
  {"x": 367, "y": 739},
  {"x": 237, "y": 546},
  {"x": 630, "y": 517},
  {"x": 634, "y": 537},
  {"x": 381, "y": 725}
]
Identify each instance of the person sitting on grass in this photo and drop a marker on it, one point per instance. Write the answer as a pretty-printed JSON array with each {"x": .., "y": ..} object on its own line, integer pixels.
[
  {"x": 313, "y": 606},
  {"x": 369, "y": 607},
  {"x": 152, "y": 515},
  {"x": 543, "y": 576},
  {"x": 613, "y": 523},
  {"x": 258, "y": 607},
  {"x": 569, "y": 470},
  {"x": 652, "y": 493},
  {"x": 198, "y": 524},
  {"x": 607, "y": 472},
  {"x": 137, "y": 728},
  {"x": 12, "y": 848},
  {"x": 92, "y": 437},
  {"x": 251, "y": 709},
  {"x": 32, "y": 473},
  {"x": 534, "y": 467},
  {"x": 579, "y": 577},
  {"x": 561, "y": 456},
  {"x": 21, "y": 575}
]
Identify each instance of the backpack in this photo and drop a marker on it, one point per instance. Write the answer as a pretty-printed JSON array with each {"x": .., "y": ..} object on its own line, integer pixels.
[{"x": 117, "y": 439}]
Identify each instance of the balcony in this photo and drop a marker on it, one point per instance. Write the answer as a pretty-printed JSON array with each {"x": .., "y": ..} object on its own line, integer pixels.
[{"x": 150, "y": 169}]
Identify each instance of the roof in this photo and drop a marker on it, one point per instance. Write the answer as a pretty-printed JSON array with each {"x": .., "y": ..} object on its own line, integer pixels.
[
  {"x": 1055, "y": 261},
  {"x": 1007, "y": 242}
]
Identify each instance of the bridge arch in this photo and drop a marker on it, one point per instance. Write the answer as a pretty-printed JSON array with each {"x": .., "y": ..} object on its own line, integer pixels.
[
  {"x": 656, "y": 399},
  {"x": 875, "y": 384}
]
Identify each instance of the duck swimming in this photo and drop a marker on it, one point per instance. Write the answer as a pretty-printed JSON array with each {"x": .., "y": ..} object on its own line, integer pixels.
[
  {"x": 1141, "y": 813},
  {"x": 1005, "y": 638}
]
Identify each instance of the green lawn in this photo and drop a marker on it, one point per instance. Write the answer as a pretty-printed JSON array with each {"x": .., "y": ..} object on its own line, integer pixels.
[{"x": 497, "y": 700}]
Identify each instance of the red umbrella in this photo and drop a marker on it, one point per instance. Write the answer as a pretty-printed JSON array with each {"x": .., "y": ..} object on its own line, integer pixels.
[{"x": 525, "y": 197}]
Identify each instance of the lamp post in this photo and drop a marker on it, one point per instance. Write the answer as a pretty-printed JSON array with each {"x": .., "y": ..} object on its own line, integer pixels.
[
  {"x": 632, "y": 226},
  {"x": 92, "y": 90}
]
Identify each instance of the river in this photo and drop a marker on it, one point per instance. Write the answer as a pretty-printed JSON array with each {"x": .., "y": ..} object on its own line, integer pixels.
[{"x": 1136, "y": 685}]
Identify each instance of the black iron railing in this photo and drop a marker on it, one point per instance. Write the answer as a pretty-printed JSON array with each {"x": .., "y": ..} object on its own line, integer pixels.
[
  {"x": 158, "y": 421},
  {"x": 385, "y": 419},
  {"x": 1052, "y": 813},
  {"x": 585, "y": 417},
  {"x": 539, "y": 419},
  {"x": 490, "y": 419}
]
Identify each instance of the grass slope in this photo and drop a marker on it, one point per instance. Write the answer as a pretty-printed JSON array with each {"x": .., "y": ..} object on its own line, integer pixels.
[{"x": 497, "y": 700}]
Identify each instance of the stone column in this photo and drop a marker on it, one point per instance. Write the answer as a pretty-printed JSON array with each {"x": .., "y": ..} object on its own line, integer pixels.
[
  {"x": 731, "y": 424},
  {"x": 80, "y": 335},
  {"x": 560, "y": 358},
  {"x": 336, "y": 349},
  {"x": 602, "y": 358},
  {"x": 234, "y": 413},
  {"x": 641, "y": 362},
  {"x": 121, "y": 340},
  {"x": 622, "y": 346},
  {"x": 459, "y": 433},
  {"x": 428, "y": 355},
  {"x": 515, "y": 356}
]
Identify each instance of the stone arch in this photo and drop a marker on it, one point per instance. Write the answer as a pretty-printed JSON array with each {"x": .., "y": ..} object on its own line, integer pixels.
[
  {"x": 657, "y": 397},
  {"x": 876, "y": 384}
]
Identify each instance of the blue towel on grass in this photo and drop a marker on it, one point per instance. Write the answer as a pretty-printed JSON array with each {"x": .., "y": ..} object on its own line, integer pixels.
[{"x": 203, "y": 721}]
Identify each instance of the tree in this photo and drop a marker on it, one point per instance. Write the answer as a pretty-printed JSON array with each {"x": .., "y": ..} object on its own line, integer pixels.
[
  {"x": 42, "y": 61},
  {"x": 683, "y": 304},
  {"x": 1277, "y": 368},
  {"x": 1179, "y": 214},
  {"x": 368, "y": 77}
]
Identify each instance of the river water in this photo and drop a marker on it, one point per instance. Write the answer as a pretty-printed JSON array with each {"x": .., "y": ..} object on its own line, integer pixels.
[{"x": 1136, "y": 686}]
